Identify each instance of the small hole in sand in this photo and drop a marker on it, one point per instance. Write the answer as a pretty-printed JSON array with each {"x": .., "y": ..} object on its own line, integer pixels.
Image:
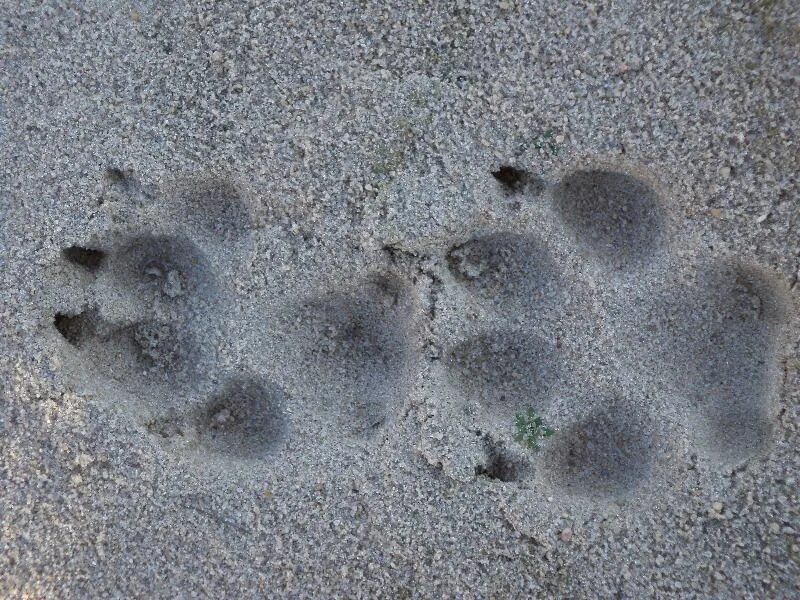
[
  {"x": 514, "y": 180},
  {"x": 510, "y": 177},
  {"x": 115, "y": 176},
  {"x": 499, "y": 465},
  {"x": 88, "y": 258},
  {"x": 74, "y": 328}
]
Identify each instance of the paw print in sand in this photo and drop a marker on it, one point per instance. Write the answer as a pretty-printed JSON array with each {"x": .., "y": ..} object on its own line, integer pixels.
[
  {"x": 582, "y": 305},
  {"x": 143, "y": 322},
  {"x": 579, "y": 299},
  {"x": 147, "y": 312}
]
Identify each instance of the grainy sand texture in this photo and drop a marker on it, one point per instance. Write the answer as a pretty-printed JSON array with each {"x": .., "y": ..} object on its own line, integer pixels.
[{"x": 290, "y": 294}]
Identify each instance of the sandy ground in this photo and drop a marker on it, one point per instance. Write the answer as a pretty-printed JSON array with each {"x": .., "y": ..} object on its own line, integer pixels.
[{"x": 277, "y": 280}]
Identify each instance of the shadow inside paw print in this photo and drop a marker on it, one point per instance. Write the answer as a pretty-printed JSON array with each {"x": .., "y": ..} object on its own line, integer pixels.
[
  {"x": 506, "y": 268},
  {"x": 719, "y": 341},
  {"x": 357, "y": 348},
  {"x": 161, "y": 266},
  {"x": 608, "y": 453},
  {"x": 613, "y": 214},
  {"x": 504, "y": 371},
  {"x": 246, "y": 419},
  {"x": 131, "y": 351}
]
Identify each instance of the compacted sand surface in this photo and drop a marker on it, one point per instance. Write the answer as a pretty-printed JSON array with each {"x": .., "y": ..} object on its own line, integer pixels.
[{"x": 282, "y": 284}]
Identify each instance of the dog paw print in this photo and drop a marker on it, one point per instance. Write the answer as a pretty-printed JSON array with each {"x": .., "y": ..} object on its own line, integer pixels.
[
  {"x": 503, "y": 370},
  {"x": 144, "y": 320},
  {"x": 150, "y": 323},
  {"x": 579, "y": 306}
]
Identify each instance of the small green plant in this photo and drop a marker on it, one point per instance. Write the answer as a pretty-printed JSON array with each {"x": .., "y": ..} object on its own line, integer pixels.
[
  {"x": 547, "y": 142},
  {"x": 531, "y": 429}
]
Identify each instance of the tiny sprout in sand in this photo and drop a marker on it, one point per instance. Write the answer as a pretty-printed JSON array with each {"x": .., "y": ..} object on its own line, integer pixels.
[{"x": 531, "y": 429}]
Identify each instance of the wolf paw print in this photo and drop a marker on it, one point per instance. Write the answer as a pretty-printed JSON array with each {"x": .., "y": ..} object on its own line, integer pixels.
[
  {"x": 578, "y": 306},
  {"x": 147, "y": 312},
  {"x": 145, "y": 321}
]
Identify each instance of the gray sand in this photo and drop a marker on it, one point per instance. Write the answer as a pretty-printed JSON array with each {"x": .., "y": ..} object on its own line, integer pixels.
[{"x": 276, "y": 281}]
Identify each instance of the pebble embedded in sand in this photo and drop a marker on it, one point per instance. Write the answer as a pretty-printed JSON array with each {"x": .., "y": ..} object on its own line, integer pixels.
[
  {"x": 83, "y": 460},
  {"x": 172, "y": 284}
]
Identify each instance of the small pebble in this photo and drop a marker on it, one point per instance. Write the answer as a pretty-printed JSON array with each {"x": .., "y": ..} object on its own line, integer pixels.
[
  {"x": 222, "y": 416},
  {"x": 83, "y": 460},
  {"x": 774, "y": 528}
]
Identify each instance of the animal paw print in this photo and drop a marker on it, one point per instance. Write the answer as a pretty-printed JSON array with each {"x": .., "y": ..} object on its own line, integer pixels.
[
  {"x": 144, "y": 322},
  {"x": 150, "y": 324},
  {"x": 582, "y": 301},
  {"x": 579, "y": 306}
]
